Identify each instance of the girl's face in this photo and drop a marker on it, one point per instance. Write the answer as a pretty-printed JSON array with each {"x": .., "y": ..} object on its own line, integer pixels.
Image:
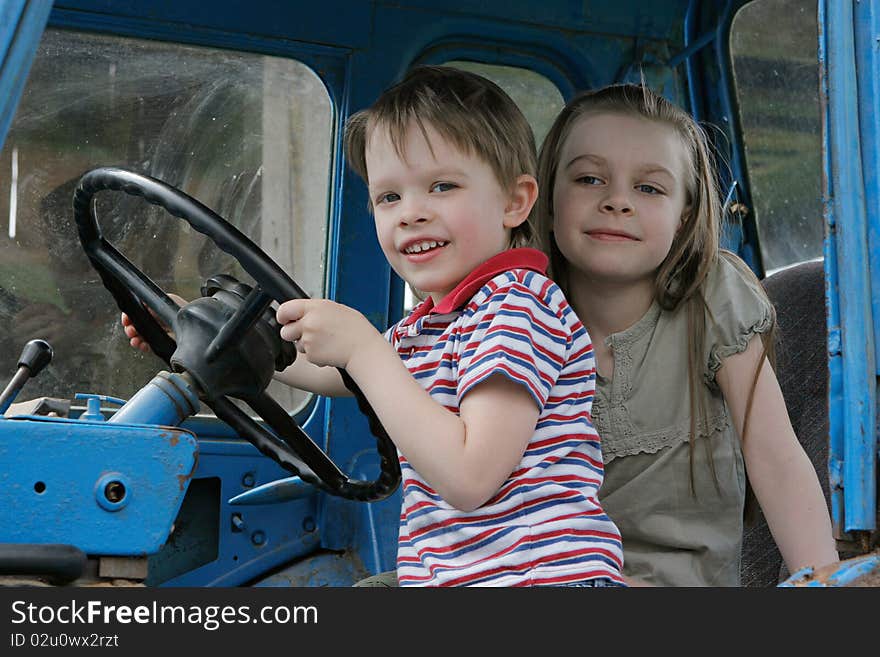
[{"x": 618, "y": 197}]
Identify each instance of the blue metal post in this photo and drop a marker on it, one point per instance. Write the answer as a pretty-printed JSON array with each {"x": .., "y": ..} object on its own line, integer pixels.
[
  {"x": 851, "y": 327},
  {"x": 21, "y": 26},
  {"x": 867, "y": 42}
]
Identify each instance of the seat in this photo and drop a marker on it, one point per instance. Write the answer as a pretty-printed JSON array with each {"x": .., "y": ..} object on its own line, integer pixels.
[{"x": 798, "y": 294}]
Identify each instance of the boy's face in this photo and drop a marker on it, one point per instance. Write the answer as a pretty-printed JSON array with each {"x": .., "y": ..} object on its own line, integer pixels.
[{"x": 438, "y": 215}]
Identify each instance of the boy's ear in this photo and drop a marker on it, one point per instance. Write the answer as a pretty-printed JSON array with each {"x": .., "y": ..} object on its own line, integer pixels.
[{"x": 522, "y": 197}]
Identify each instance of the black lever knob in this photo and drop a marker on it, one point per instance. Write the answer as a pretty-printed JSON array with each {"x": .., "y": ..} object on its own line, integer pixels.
[{"x": 35, "y": 356}]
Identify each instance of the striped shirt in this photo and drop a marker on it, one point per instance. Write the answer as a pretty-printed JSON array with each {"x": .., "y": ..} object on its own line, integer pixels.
[{"x": 545, "y": 525}]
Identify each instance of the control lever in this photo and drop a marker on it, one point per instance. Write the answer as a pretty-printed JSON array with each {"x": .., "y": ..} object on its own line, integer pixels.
[{"x": 34, "y": 357}]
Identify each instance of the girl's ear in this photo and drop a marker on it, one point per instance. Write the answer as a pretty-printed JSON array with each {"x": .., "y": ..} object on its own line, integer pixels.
[{"x": 522, "y": 198}]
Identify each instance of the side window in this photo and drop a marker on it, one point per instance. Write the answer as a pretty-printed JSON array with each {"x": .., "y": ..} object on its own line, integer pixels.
[
  {"x": 774, "y": 45},
  {"x": 247, "y": 135}
]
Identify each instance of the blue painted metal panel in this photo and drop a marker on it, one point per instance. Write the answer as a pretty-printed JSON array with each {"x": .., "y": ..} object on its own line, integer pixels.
[
  {"x": 253, "y": 540},
  {"x": 867, "y": 27},
  {"x": 691, "y": 32},
  {"x": 21, "y": 24},
  {"x": 622, "y": 18},
  {"x": 712, "y": 99},
  {"x": 835, "y": 368},
  {"x": 350, "y": 22},
  {"x": 339, "y": 22},
  {"x": 849, "y": 292},
  {"x": 573, "y": 60},
  {"x": 742, "y": 238},
  {"x": 52, "y": 485},
  {"x": 846, "y": 573}
]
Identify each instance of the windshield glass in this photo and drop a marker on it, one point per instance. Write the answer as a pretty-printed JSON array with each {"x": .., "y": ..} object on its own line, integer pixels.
[{"x": 247, "y": 135}]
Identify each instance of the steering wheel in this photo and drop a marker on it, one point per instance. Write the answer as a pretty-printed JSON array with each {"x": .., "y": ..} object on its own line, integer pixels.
[{"x": 215, "y": 335}]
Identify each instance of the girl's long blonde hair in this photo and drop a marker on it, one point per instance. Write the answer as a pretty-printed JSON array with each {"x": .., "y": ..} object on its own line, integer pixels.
[{"x": 681, "y": 277}]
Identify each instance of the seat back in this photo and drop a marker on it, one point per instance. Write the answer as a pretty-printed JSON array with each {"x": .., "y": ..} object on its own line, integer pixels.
[{"x": 798, "y": 294}]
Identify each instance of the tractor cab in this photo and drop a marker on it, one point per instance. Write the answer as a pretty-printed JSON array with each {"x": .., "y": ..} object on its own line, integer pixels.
[{"x": 196, "y": 149}]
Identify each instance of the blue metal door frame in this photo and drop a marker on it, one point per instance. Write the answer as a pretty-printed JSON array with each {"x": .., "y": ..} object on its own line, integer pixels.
[
  {"x": 848, "y": 51},
  {"x": 21, "y": 25}
]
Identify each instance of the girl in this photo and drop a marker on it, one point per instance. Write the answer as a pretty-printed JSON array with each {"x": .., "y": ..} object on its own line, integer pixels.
[{"x": 629, "y": 212}]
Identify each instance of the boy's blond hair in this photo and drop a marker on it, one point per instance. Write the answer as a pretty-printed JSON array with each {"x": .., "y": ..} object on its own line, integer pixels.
[{"x": 472, "y": 113}]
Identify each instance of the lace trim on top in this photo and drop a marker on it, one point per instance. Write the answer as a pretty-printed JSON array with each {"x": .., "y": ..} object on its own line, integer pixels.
[
  {"x": 742, "y": 312},
  {"x": 637, "y": 330},
  {"x": 620, "y": 437},
  {"x": 626, "y": 442}
]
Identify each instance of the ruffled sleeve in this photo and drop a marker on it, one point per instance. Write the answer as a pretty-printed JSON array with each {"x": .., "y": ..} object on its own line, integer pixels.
[{"x": 738, "y": 310}]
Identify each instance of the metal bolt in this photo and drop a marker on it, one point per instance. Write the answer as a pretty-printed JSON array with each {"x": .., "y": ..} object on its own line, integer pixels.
[
  {"x": 114, "y": 491},
  {"x": 237, "y": 523},
  {"x": 258, "y": 538},
  {"x": 111, "y": 491},
  {"x": 248, "y": 480},
  {"x": 309, "y": 524}
]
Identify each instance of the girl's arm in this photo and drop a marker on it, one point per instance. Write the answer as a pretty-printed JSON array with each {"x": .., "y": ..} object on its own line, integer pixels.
[
  {"x": 780, "y": 472},
  {"x": 635, "y": 582},
  {"x": 465, "y": 458}
]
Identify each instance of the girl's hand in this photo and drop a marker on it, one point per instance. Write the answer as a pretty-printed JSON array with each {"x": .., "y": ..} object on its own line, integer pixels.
[
  {"x": 327, "y": 333},
  {"x": 134, "y": 338}
]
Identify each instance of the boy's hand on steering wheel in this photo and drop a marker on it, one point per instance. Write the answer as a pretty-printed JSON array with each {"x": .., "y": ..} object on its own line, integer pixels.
[{"x": 326, "y": 332}]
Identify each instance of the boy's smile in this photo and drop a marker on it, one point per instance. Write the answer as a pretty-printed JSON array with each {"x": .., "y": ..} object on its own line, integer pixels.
[
  {"x": 439, "y": 212},
  {"x": 421, "y": 249}
]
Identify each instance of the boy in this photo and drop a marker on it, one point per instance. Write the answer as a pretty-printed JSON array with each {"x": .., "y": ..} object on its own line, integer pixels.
[{"x": 486, "y": 387}]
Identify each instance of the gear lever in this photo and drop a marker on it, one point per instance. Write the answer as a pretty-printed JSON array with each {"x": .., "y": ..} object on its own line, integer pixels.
[{"x": 34, "y": 357}]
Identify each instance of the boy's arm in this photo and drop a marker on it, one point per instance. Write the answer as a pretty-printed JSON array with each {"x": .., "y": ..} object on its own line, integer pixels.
[
  {"x": 301, "y": 374},
  {"x": 306, "y": 376},
  {"x": 465, "y": 458},
  {"x": 780, "y": 472}
]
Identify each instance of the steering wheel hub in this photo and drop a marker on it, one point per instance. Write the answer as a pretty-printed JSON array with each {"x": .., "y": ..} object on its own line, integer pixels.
[{"x": 245, "y": 366}]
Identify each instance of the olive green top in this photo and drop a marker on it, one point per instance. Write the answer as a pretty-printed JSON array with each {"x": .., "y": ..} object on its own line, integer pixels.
[{"x": 672, "y": 537}]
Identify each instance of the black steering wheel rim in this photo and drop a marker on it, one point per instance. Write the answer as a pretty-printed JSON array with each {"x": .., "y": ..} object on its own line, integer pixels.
[{"x": 287, "y": 444}]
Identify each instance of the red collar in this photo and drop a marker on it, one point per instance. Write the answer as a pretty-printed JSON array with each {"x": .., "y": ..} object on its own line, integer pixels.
[{"x": 522, "y": 258}]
